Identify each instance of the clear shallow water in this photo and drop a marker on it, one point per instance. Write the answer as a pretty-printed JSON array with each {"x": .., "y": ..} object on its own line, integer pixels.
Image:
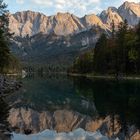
[{"x": 91, "y": 97}]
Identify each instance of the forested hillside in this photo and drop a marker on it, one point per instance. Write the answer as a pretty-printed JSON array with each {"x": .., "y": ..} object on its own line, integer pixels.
[{"x": 116, "y": 54}]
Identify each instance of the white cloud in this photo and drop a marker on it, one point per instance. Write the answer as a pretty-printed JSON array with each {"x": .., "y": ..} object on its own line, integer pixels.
[
  {"x": 20, "y": 1},
  {"x": 94, "y": 1},
  {"x": 60, "y": 1},
  {"x": 43, "y": 2},
  {"x": 77, "y": 7},
  {"x": 67, "y": 4}
]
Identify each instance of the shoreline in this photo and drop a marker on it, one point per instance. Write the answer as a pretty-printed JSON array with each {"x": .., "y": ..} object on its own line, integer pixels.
[{"x": 104, "y": 76}]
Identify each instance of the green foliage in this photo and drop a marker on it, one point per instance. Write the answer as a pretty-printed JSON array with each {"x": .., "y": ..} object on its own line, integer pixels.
[
  {"x": 116, "y": 54},
  {"x": 100, "y": 54},
  {"x": 83, "y": 63},
  {"x": 6, "y": 59}
]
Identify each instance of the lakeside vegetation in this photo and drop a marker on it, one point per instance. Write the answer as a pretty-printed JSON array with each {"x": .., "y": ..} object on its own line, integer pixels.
[{"x": 117, "y": 54}]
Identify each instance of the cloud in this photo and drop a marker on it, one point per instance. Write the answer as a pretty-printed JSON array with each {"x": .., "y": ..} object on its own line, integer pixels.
[
  {"x": 80, "y": 5},
  {"x": 20, "y": 1},
  {"x": 43, "y": 2},
  {"x": 50, "y": 7}
]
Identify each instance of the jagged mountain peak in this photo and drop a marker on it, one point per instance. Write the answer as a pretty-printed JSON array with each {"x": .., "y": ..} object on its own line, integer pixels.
[
  {"x": 134, "y": 7},
  {"x": 128, "y": 4},
  {"x": 63, "y": 24},
  {"x": 111, "y": 15},
  {"x": 131, "y": 12},
  {"x": 128, "y": 10},
  {"x": 63, "y": 14},
  {"x": 113, "y": 9},
  {"x": 93, "y": 20},
  {"x": 31, "y": 23},
  {"x": 59, "y": 38}
]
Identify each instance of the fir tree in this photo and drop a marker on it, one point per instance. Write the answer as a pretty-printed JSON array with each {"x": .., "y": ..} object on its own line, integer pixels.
[{"x": 4, "y": 37}]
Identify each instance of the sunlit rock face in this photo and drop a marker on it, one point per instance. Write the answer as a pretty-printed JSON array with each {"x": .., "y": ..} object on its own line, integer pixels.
[
  {"x": 131, "y": 12},
  {"x": 111, "y": 15},
  {"x": 31, "y": 23},
  {"x": 128, "y": 10},
  {"x": 62, "y": 24}
]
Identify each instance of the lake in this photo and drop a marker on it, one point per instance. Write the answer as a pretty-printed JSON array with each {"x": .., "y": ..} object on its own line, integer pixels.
[{"x": 68, "y": 103}]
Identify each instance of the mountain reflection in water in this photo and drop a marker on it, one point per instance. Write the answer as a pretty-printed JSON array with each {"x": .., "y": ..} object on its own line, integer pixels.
[{"x": 95, "y": 100}]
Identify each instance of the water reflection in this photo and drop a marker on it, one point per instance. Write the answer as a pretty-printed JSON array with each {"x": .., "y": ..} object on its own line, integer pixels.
[
  {"x": 112, "y": 97},
  {"x": 4, "y": 124},
  {"x": 96, "y": 98},
  {"x": 51, "y": 92}
]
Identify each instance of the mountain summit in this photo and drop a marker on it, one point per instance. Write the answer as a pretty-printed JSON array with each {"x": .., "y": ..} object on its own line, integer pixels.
[
  {"x": 31, "y": 23},
  {"x": 59, "y": 38}
]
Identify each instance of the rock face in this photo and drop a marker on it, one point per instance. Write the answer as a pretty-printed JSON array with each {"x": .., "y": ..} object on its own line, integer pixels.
[
  {"x": 54, "y": 49},
  {"x": 130, "y": 12},
  {"x": 31, "y": 23},
  {"x": 59, "y": 38},
  {"x": 27, "y": 23},
  {"x": 111, "y": 15}
]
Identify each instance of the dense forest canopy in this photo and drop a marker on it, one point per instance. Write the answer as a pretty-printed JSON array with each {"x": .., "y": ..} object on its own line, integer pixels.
[
  {"x": 116, "y": 54},
  {"x": 8, "y": 63}
]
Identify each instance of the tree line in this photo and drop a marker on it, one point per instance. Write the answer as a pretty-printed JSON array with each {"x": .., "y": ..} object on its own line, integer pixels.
[{"x": 118, "y": 53}]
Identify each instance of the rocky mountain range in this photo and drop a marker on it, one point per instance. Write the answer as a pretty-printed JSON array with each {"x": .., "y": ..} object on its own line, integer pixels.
[
  {"x": 31, "y": 23},
  {"x": 37, "y": 36}
]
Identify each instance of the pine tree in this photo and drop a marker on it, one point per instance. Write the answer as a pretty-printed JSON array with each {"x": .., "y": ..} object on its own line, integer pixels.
[
  {"x": 100, "y": 62},
  {"x": 4, "y": 37},
  {"x": 121, "y": 46}
]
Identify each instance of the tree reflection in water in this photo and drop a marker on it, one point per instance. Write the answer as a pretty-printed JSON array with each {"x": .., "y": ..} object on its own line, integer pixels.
[
  {"x": 121, "y": 98},
  {"x": 4, "y": 125}
]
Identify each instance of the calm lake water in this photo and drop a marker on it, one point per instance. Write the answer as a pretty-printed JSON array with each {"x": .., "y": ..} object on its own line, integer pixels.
[{"x": 90, "y": 97}]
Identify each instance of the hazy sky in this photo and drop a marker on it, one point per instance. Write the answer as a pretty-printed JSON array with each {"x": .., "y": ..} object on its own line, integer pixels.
[{"x": 51, "y": 7}]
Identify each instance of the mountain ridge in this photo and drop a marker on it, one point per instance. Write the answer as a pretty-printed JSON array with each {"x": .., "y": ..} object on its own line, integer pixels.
[
  {"x": 30, "y": 23},
  {"x": 58, "y": 39}
]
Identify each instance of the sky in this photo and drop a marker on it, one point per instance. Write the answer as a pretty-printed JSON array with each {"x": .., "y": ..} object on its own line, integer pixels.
[{"x": 51, "y": 7}]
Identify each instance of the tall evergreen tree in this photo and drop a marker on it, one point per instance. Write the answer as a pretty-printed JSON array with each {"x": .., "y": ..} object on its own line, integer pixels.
[
  {"x": 4, "y": 36},
  {"x": 121, "y": 47},
  {"x": 100, "y": 62}
]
